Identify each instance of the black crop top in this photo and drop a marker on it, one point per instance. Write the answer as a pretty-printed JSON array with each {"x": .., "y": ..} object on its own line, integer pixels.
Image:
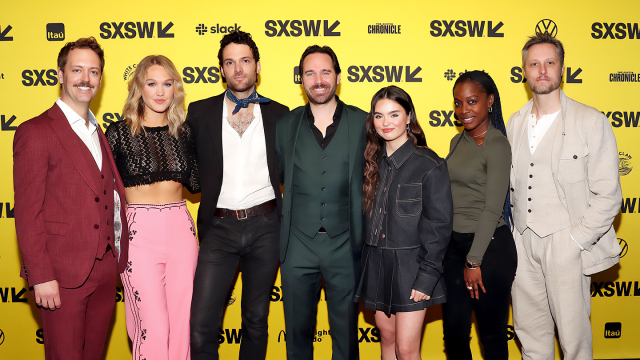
[{"x": 156, "y": 156}]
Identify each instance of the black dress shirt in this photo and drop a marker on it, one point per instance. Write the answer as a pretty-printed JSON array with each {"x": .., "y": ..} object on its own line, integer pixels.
[{"x": 331, "y": 129}]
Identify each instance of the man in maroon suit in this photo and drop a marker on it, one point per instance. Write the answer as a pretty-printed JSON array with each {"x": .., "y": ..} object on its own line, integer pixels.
[{"x": 69, "y": 220}]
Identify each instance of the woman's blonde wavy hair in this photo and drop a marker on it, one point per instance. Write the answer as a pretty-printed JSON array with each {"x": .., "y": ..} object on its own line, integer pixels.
[{"x": 134, "y": 107}]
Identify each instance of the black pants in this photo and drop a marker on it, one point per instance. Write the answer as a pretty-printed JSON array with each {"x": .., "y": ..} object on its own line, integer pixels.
[
  {"x": 492, "y": 309},
  {"x": 255, "y": 244}
]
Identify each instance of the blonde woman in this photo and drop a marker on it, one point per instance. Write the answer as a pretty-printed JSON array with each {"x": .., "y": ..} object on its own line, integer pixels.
[{"x": 153, "y": 150}]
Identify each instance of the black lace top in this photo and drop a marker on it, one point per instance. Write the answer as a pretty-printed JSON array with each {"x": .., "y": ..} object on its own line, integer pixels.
[{"x": 156, "y": 156}]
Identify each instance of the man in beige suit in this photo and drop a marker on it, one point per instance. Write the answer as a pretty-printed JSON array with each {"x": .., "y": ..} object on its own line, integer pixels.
[{"x": 565, "y": 192}]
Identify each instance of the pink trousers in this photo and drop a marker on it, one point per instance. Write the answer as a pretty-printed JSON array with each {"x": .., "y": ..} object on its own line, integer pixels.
[{"x": 158, "y": 280}]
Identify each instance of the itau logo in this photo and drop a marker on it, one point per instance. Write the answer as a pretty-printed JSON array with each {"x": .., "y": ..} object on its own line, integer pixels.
[
  {"x": 55, "y": 32},
  {"x": 612, "y": 330},
  {"x": 296, "y": 75},
  {"x": 625, "y": 166},
  {"x": 547, "y": 26}
]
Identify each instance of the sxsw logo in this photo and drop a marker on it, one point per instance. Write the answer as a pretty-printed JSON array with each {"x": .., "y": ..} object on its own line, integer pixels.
[
  {"x": 276, "y": 293},
  {"x": 109, "y": 118},
  {"x": 623, "y": 118},
  {"x": 6, "y": 126},
  {"x": 629, "y": 206},
  {"x": 55, "y": 32},
  {"x": 379, "y": 73},
  {"x": 370, "y": 334},
  {"x": 443, "y": 118},
  {"x": 612, "y": 330},
  {"x": 517, "y": 75},
  {"x": 120, "y": 295},
  {"x": 1, "y": 337},
  {"x": 131, "y": 30},
  {"x": 622, "y": 30},
  {"x": 230, "y": 336},
  {"x": 298, "y": 28},
  {"x": 461, "y": 28},
  {"x": 13, "y": 295},
  {"x": 201, "y": 29},
  {"x": 205, "y": 75},
  {"x": 617, "y": 288},
  {"x": 40, "y": 336},
  {"x": 45, "y": 77},
  {"x": 8, "y": 213},
  {"x": 3, "y": 33}
]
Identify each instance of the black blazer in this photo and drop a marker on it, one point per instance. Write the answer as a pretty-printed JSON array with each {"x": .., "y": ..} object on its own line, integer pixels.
[{"x": 205, "y": 117}]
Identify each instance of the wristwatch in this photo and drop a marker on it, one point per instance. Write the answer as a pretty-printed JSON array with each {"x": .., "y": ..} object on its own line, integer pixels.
[{"x": 471, "y": 265}]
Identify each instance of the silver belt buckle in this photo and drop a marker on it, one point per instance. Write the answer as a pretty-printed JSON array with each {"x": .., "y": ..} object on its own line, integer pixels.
[{"x": 241, "y": 217}]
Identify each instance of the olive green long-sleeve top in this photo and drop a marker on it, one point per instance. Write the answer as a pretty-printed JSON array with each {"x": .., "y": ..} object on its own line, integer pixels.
[{"x": 479, "y": 184}]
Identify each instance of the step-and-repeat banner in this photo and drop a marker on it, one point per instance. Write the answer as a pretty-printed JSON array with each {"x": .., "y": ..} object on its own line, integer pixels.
[{"x": 420, "y": 46}]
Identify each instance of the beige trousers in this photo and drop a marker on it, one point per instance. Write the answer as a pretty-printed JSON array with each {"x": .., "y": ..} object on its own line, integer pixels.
[{"x": 549, "y": 289}]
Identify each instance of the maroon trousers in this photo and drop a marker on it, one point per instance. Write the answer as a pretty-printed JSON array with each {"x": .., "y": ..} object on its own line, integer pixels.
[{"x": 78, "y": 330}]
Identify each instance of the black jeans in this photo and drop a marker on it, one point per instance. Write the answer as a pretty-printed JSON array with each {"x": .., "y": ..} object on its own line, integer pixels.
[
  {"x": 255, "y": 244},
  {"x": 492, "y": 309}
]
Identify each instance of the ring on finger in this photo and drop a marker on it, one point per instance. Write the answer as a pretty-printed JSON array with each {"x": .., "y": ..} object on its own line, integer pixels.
[{"x": 469, "y": 287}]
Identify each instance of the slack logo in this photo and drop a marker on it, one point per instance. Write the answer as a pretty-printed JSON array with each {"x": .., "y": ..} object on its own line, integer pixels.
[
  {"x": 55, "y": 32},
  {"x": 612, "y": 330},
  {"x": 298, "y": 28}
]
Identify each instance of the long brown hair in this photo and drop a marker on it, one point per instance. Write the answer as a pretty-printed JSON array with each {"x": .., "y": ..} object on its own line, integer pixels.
[
  {"x": 375, "y": 143},
  {"x": 134, "y": 106}
]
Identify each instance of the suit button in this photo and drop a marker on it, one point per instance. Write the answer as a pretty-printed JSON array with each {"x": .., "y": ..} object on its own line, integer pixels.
[
  {"x": 102, "y": 176},
  {"x": 575, "y": 156},
  {"x": 108, "y": 237},
  {"x": 531, "y": 164},
  {"x": 511, "y": 189},
  {"x": 324, "y": 173},
  {"x": 511, "y": 205},
  {"x": 97, "y": 199},
  {"x": 105, "y": 207},
  {"x": 107, "y": 222},
  {"x": 529, "y": 199},
  {"x": 105, "y": 192},
  {"x": 530, "y": 176},
  {"x": 529, "y": 210},
  {"x": 322, "y": 218},
  {"x": 96, "y": 226},
  {"x": 323, "y": 157},
  {"x": 323, "y": 204},
  {"x": 529, "y": 187},
  {"x": 322, "y": 188}
]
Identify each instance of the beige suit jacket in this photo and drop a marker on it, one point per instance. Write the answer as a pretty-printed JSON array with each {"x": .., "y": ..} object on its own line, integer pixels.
[{"x": 585, "y": 173}]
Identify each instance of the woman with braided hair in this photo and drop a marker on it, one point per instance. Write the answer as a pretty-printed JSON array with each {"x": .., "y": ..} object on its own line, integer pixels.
[{"x": 481, "y": 259}]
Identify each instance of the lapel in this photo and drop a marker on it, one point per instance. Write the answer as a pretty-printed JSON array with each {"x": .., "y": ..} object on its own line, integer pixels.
[
  {"x": 520, "y": 130},
  {"x": 558, "y": 142},
  {"x": 269, "y": 126},
  {"x": 77, "y": 151},
  {"x": 215, "y": 125}
]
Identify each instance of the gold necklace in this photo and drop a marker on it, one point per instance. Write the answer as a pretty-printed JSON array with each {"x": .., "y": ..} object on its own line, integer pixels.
[{"x": 476, "y": 136}]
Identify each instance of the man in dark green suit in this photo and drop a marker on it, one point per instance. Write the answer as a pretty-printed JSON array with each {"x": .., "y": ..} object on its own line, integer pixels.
[{"x": 321, "y": 151}]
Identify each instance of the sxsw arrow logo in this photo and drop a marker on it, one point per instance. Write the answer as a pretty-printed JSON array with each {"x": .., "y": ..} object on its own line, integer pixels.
[
  {"x": 6, "y": 124},
  {"x": 298, "y": 28},
  {"x": 3, "y": 34},
  {"x": 493, "y": 31},
  {"x": 379, "y": 73},
  {"x": 15, "y": 297},
  {"x": 572, "y": 77}
]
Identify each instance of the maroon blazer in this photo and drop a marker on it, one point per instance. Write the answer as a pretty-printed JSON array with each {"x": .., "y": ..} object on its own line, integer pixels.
[{"x": 60, "y": 201}]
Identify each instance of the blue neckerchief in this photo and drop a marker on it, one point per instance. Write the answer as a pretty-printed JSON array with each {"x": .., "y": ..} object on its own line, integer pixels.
[{"x": 244, "y": 103}]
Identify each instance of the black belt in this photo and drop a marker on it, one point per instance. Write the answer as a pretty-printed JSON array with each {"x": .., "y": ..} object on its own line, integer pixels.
[{"x": 242, "y": 214}]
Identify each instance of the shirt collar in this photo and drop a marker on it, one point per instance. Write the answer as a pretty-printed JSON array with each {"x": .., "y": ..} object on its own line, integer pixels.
[
  {"x": 337, "y": 115},
  {"x": 74, "y": 118},
  {"x": 400, "y": 155}
]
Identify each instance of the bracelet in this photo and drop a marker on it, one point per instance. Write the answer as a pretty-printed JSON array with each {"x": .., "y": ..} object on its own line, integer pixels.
[{"x": 471, "y": 266}]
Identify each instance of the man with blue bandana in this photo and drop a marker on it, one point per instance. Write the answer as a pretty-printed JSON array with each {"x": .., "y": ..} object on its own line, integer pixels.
[{"x": 239, "y": 214}]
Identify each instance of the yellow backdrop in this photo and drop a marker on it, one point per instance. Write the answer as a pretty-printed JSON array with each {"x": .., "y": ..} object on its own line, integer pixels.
[{"x": 419, "y": 46}]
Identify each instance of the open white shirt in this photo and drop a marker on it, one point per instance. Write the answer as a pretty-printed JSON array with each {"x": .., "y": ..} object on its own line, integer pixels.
[
  {"x": 536, "y": 130},
  {"x": 89, "y": 136},
  {"x": 245, "y": 174}
]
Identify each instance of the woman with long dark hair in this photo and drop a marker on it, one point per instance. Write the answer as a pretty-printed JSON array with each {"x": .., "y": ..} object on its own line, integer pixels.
[
  {"x": 480, "y": 263},
  {"x": 154, "y": 151},
  {"x": 408, "y": 219}
]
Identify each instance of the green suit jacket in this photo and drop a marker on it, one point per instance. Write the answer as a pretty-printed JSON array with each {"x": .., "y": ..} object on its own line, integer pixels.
[{"x": 286, "y": 141}]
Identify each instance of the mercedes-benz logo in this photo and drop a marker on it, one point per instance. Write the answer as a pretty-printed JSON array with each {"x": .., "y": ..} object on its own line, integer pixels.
[
  {"x": 547, "y": 25},
  {"x": 624, "y": 246}
]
